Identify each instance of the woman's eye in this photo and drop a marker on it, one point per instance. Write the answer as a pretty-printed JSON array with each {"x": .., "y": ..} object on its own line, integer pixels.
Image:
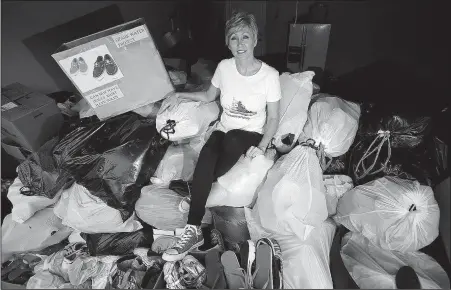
[
  {"x": 233, "y": 38},
  {"x": 245, "y": 37}
]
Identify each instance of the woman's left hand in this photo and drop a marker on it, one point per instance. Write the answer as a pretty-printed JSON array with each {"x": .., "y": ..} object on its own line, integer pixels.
[{"x": 254, "y": 151}]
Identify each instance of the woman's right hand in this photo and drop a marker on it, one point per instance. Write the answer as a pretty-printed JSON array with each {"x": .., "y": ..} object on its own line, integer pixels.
[{"x": 170, "y": 101}]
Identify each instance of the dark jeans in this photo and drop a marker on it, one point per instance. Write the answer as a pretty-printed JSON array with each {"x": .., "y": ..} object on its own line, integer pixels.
[{"x": 218, "y": 156}]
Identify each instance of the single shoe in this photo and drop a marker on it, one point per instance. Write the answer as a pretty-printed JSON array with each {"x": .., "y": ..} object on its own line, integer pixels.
[
  {"x": 82, "y": 65},
  {"x": 73, "y": 251},
  {"x": 236, "y": 277},
  {"x": 277, "y": 265},
  {"x": 110, "y": 65},
  {"x": 74, "y": 66},
  {"x": 99, "y": 67},
  {"x": 263, "y": 274},
  {"x": 191, "y": 239},
  {"x": 407, "y": 278},
  {"x": 247, "y": 258},
  {"x": 215, "y": 271}
]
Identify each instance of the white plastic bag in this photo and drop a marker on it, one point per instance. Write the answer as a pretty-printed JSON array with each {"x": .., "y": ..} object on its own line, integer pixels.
[
  {"x": 292, "y": 199},
  {"x": 191, "y": 118},
  {"x": 238, "y": 186},
  {"x": 24, "y": 206},
  {"x": 332, "y": 122},
  {"x": 43, "y": 229},
  {"x": 305, "y": 263},
  {"x": 178, "y": 162},
  {"x": 394, "y": 214},
  {"x": 336, "y": 186},
  {"x": 87, "y": 213},
  {"x": 162, "y": 208},
  {"x": 374, "y": 268},
  {"x": 297, "y": 91}
]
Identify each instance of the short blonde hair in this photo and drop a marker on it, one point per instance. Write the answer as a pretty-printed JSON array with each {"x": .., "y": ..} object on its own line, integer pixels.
[{"x": 239, "y": 20}]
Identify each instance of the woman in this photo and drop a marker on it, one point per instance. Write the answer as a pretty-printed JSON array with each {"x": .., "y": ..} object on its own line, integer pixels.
[{"x": 249, "y": 93}]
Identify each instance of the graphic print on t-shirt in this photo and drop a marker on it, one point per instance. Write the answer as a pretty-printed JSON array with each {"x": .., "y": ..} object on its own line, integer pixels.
[{"x": 238, "y": 110}]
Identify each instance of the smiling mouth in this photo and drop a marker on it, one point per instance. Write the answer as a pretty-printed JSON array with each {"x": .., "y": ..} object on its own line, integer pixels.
[{"x": 241, "y": 51}]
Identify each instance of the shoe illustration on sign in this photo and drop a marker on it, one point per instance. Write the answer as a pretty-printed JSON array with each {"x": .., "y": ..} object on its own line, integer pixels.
[
  {"x": 99, "y": 68},
  {"x": 91, "y": 69},
  {"x": 110, "y": 65}
]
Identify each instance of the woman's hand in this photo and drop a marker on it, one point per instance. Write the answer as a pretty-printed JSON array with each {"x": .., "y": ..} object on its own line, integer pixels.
[
  {"x": 170, "y": 101},
  {"x": 254, "y": 152}
]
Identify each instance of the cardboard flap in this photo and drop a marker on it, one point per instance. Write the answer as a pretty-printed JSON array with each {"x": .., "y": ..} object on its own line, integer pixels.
[{"x": 104, "y": 33}]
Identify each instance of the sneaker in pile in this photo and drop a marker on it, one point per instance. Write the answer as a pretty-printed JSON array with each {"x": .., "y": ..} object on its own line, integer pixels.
[
  {"x": 187, "y": 273},
  {"x": 60, "y": 262},
  {"x": 128, "y": 273},
  {"x": 191, "y": 239}
]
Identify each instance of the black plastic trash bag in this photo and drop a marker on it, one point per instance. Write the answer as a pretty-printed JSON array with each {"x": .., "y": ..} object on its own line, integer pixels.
[
  {"x": 39, "y": 173},
  {"x": 399, "y": 130},
  {"x": 410, "y": 164},
  {"x": 118, "y": 244},
  {"x": 113, "y": 159},
  {"x": 231, "y": 223}
]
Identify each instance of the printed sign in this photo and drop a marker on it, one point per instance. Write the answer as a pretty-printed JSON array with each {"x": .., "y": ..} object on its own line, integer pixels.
[
  {"x": 92, "y": 68},
  {"x": 130, "y": 36},
  {"x": 9, "y": 106},
  {"x": 104, "y": 96}
]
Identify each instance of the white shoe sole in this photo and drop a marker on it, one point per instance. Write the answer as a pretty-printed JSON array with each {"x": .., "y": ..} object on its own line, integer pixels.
[{"x": 178, "y": 257}]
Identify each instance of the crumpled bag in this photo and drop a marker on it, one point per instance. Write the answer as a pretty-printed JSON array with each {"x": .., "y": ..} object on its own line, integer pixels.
[
  {"x": 162, "y": 208},
  {"x": 82, "y": 211},
  {"x": 336, "y": 186},
  {"x": 332, "y": 122},
  {"x": 43, "y": 229},
  {"x": 186, "y": 119},
  {"x": 25, "y": 206},
  {"x": 374, "y": 268},
  {"x": 292, "y": 199},
  {"x": 113, "y": 159},
  {"x": 118, "y": 244},
  {"x": 305, "y": 262},
  {"x": 179, "y": 162},
  {"x": 238, "y": 186},
  {"x": 297, "y": 91},
  {"x": 231, "y": 223},
  {"x": 394, "y": 214}
]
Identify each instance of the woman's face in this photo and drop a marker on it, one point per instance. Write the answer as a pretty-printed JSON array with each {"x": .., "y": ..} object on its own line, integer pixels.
[{"x": 242, "y": 43}]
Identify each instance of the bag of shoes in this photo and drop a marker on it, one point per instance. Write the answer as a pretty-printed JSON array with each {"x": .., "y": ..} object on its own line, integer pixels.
[
  {"x": 297, "y": 91},
  {"x": 179, "y": 162},
  {"x": 186, "y": 119},
  {"x": 24, "y": 205},
  {"x": 82, "y": 211},
  {"x": 162, "y": 208},
  {"x": 187, "y": 273},
  {"x": 238, "y": 186},
  {"x": 394, "y": 214},
  {"x": 112, "y": 159},
  {"x": 43, "y": 229},
  {"x": 292, "y": 199},
  {"x": 374, "y": 268},
  {"x": 127, "y": 273}
]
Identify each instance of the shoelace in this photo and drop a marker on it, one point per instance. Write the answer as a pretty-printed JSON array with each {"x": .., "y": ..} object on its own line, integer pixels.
[{"x": 186, "y": 236}]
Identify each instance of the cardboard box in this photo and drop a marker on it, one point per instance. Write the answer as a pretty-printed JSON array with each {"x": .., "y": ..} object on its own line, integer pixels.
[
  {"x": 29, "y": 119},
  {"x": 137, "y": 76}
]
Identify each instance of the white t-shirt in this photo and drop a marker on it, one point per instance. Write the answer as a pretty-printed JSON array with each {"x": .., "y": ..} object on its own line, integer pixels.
[{"x": 244, "y": 98}]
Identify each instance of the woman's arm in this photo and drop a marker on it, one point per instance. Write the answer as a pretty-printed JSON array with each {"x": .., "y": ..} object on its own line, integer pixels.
[
  {"x": 205, "y": 96},
  {"x": 272, "y": 123}
]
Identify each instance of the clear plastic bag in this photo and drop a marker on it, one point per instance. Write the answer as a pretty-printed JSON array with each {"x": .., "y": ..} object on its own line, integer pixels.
[
  {"x": 292, "y": 199},
  {"x": 336, "y": 186},
  {"x": 332, "y": 122},
  {"x": 305, "y": 262},
  {"x": 394, "y": 214},
  {"x": 162, "y": 208},
  {"x": 25, "y": 206},
  {"x": 374, "y": 268},
  {"x": 87, "y": 213},
  {"x": 296, "y": 95},
  {"x": 186, "y": 119}
]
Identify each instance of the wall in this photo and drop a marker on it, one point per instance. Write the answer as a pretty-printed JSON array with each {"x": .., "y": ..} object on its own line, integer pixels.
[{"x": 24, "y": 19}]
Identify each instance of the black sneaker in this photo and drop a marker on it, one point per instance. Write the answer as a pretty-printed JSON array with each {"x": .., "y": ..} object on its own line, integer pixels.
[
  {"x": 407, "y": 278},
  {"x": 110, "y": 65},
  {"x": 99, "y": 67}
]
